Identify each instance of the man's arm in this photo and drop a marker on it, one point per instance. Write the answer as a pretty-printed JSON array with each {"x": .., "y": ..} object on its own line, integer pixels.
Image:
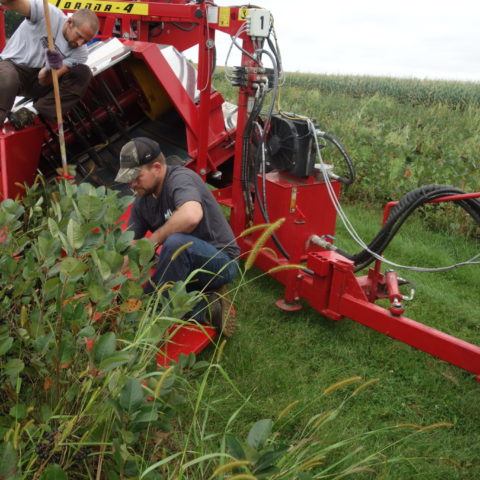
[
  {"x": 183, "y": 220},
  {"x": 45, "y": 75},
  {"x": 19, "y": 6}
]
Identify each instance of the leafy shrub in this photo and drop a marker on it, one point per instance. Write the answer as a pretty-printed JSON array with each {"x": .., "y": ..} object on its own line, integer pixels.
[{"x": 80, "y": 388}]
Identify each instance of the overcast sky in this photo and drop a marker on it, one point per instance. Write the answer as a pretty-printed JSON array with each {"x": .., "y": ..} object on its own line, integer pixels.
[{"x": 432, "y": 39}]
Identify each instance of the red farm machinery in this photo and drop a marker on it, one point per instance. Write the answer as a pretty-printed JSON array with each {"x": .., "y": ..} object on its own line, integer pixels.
[{"x": 265, "y": 165}]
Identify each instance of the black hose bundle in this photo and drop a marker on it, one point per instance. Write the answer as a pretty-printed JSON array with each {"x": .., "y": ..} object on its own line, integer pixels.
[{"x": 403, "y": 210}]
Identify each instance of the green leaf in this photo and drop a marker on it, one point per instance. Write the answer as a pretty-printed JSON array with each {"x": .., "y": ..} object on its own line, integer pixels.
[
  {"x": 87, "y": 331},
  {"x": 234, "y": 447},
  {"x": 146, "y": 415},
  {"x": 8, "y": 461},
  {"x": 13, "y": 367},
  {"x": 5, "y": 345},
  {"x": 131, "y": 396},
  {"x": 90, "y": 206},
  {"x": 72, "y": 266},
  {"x": 53, "y": 472},
  {"x": 96, "y": 292},
  {"x": 114, "y": 361},
  {"x": 75, "y": 234},
  {"x": 45, "y": 413},
  {"x": 113, "y": 259},
  {"x": 112, "y": 214},
  {"x": 146, "y": 250},
  {"x": 268, "y": 460},
  {"x": 44, "y": 245},
  {"x": 133, "y": 267},
  {"x": 53, "y": 227},
  {"x": 104, "y": 347},
  {"x": 91, "y": 241},
  {"x": 131, "y": 289},
  {"x": 42, "y": 342},
  {"x": 103, "y": 267},
  {"x": 67, "y": 350},
  {"x": 259, "y": 433},
  {"x": 51, "y": 285},
  {"x": 18, "y": 411}
]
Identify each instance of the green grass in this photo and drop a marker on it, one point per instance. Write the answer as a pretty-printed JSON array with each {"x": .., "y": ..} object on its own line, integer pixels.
[{"x": 279, "y": 357}]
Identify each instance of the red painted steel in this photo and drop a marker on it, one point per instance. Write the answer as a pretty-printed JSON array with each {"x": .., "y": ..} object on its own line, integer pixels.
[
  {"x": 183, "y": 340},
  {"x": 436, "y": 343},
  {"x": 19, "y": 157}
]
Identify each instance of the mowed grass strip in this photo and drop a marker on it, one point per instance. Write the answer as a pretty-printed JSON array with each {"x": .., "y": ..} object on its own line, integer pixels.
[{"x": 281, "y": 357}]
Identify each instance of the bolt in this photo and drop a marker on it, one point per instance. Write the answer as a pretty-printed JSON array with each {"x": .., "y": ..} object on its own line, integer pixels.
[{"x": 203, "y": 171}]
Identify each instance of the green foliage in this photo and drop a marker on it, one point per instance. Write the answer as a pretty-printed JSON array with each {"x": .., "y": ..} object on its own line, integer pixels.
[
  {"x": 12, "y": 21},
  {"x": 79, "y": 379}
]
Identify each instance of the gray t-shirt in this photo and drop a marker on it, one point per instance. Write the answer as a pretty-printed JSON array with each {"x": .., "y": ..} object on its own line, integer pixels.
[
  {"x": 27, "y": 45},
  {"x": 180, "y": 186}
]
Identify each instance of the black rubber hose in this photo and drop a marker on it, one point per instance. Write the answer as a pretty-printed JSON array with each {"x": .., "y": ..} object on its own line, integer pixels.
[
  {"x": 257, "y": 108},
  {"x": 403, "y": 210},
  {"x": 348, "y": 161}
]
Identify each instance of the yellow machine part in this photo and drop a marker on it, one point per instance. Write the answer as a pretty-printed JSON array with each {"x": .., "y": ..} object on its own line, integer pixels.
[{"x": 154, "y": 93}]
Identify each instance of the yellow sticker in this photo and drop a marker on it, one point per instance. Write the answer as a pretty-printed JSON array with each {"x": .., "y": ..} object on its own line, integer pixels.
[
  {"x": 128, "y": 8},
  {"x": 242, "y": 13},
  {"x": 224, "y": 17}
]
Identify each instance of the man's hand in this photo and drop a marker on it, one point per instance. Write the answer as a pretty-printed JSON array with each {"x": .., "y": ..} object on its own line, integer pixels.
[{"x": 53, "y": 59}]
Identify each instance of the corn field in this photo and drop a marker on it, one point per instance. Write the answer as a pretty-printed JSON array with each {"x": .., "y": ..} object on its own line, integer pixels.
[{"x": 411, "y": 91}]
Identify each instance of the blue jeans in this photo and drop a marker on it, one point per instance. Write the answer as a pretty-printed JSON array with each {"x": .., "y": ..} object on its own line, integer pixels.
[{"x": 217, "y": 267}]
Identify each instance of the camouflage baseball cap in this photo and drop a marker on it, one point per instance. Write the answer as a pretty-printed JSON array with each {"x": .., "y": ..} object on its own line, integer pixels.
[{"x": 134, "y": 154}]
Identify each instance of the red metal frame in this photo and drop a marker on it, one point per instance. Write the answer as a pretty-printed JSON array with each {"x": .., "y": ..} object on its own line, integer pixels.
[
  {"x": 327, "y": 282},
  {"x": 19, "y": 157}
]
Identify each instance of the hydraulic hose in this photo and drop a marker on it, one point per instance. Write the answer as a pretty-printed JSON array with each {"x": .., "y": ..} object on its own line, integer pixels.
[
  {"x": 348, "y": 161},
  {"x": 403, "y": 210}
]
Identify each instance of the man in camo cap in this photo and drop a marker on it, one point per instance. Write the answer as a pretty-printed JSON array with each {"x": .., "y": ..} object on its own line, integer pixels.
[{"x": 175, "y": 205}]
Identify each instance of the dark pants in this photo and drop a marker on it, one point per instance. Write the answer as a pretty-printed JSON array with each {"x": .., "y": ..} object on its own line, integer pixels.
[
  {"x": 217, "y": 268},
  {"x": 18, "y": 80}
]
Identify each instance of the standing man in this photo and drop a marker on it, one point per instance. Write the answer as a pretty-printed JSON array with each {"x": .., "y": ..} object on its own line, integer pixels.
[
  {"x": 175, "y": 205},
  {"x": 26, "y": 62}
]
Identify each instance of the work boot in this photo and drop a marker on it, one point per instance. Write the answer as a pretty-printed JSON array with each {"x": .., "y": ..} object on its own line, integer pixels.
[
  {"x": 21, "y": 118},
  {"x": 221, "y": 314}
]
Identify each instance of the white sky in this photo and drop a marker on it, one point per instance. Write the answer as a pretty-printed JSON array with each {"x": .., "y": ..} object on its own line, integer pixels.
[{"x": 404, "y": 38}]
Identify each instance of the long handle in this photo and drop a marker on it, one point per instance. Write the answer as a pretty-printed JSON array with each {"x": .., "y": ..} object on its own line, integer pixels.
[{"x": 56, "y": 92}]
